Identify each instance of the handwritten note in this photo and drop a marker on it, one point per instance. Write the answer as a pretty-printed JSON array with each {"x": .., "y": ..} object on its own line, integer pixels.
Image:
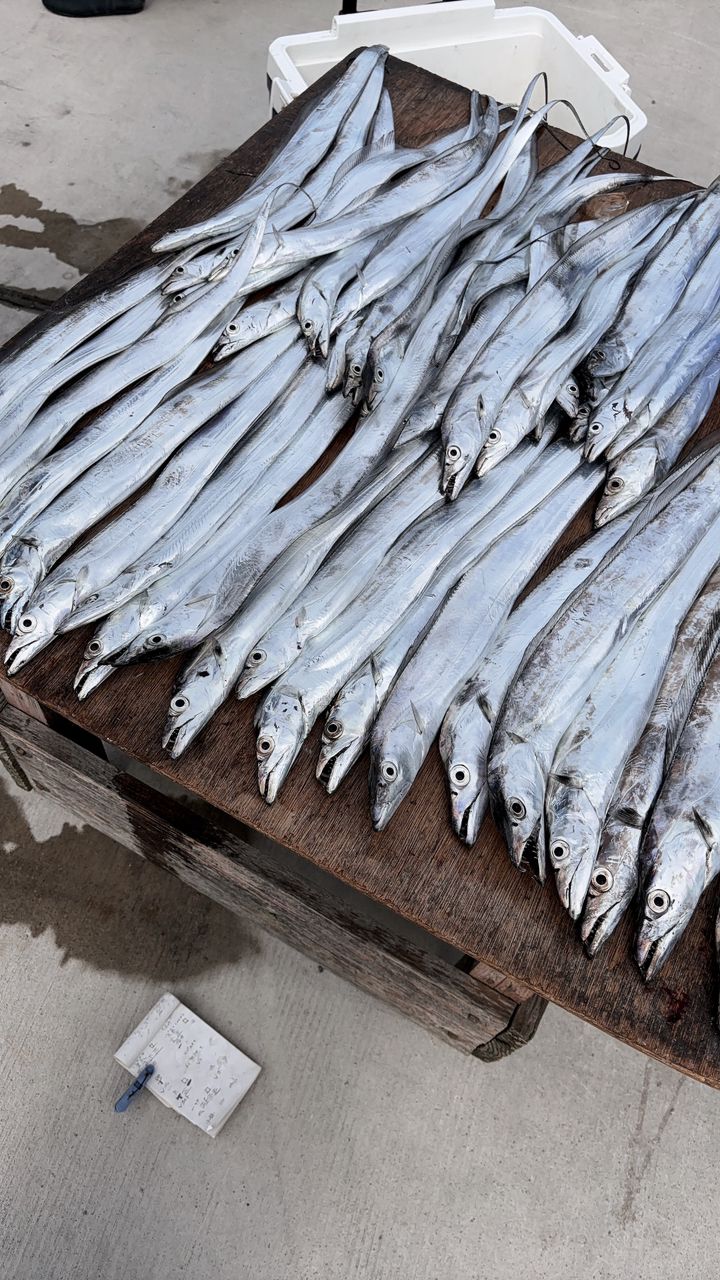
[{"x": 198, "y": 1073}]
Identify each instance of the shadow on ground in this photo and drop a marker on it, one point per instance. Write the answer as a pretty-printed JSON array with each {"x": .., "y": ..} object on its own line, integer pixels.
[{"x": 106, "y": 906}]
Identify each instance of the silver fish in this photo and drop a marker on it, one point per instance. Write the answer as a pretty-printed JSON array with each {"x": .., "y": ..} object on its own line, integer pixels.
[
  {"x": 306, "y": 147},
  {"x": 590, "y": 758},
  {"x": 666, "y": 366},
  {"x": 117, "y": 475},
  {"x": 468, "y": 726},
  {"x": 320, "y": 291},
  {"x": 555, "y": 680},
  {"x": 84, "y": 572},
  {"x": 30, "y": 357},
  {"x": 309, "y": 685},
  {"x": 644, "y": 464},
  {"x": 130, "y": 631},
  {"x": 681, "y": 854},
  {"x": 209, "y": 677},
  {"x": 341, "y": 576},
  {"x": 615, "y": 875},
  {"x": 660, "y": 285},
  {"x": 471, "y": 411},
  {"x": 465, "y": 625},
  {"x": 229, "y": 583},
  {"x": 114, "y": 338},
  {"x": 260, "y": 319}
]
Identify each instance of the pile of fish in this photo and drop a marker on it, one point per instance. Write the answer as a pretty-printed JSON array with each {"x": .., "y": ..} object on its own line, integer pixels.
[{"x": 487, "y": 345}]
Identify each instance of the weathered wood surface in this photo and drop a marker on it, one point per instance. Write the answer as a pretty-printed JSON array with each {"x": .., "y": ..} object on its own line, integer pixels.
[
  {"x": 458, "y": 1007},
  {"x": 471, "y": 898}
]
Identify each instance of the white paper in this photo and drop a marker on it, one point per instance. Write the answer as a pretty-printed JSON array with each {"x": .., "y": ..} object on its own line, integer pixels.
[{"x": 198, "y": 1073}]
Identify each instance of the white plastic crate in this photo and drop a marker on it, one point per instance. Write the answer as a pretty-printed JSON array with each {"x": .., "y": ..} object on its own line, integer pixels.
[{"x": 471, "y": 42}]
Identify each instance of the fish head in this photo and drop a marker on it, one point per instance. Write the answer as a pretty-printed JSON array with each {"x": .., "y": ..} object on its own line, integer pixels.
[
  {"x": 606, "y": 358},
  {"x": 498, "y": 445},
  {"x": 460, "y": 453},
  {"x": 670, "y": 890},
  {"x": 384, "y": 364},
  {"x": 314, "y": 317},
  {"x": 628, "y": 480},
  {"x": 395, "y": 759},
  {"x": 19, "y": 578},
  {"x": 568, "y": 397},
  {"x": 271, "y": 656},
  {"x": 517, "y": 792},
  {"x": 179, "y": 629},
  {"x": 613, "y": 884},
  {"x": 282, "y": 727},
  {"x": 573, "y": 834},
  {"x": 602, "y": 428},
  {"x": 464, "y": 744},
  {"x": 199, "y": 691},
  {"x": 346, "y": 729},
  {"x": 38, "y": 625}
]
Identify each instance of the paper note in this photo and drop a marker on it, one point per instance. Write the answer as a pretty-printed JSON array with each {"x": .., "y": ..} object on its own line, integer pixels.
[{"x": 198, "y": 1072}]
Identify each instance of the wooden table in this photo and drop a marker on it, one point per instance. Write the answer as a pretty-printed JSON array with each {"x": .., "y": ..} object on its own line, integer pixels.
[{"x": 507, "y": 945}]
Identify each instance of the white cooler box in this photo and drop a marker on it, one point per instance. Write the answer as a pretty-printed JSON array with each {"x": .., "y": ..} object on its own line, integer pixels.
[{"x": 471, "y": 42}]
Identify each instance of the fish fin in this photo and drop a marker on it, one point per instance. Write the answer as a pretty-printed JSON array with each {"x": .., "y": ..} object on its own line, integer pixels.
[
  {"x": 358, "y": 157},
  {"x": 705, "y": 829}
]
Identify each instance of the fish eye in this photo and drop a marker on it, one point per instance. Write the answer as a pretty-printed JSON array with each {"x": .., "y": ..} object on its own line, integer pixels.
[
  {"x": 156, "y": 640},
  {"x": 460, "y": 775},
  {"x": 265, "y": 746},
  {"x": 453, "y": 453},
  {"x": 379, "y": 375},
  {"x": 602, "y": 880},
  {"x": 179, "y": 703},
  {"x": 494, "y": 437},
  {"x": 560, "y": 851},
  {"x": 6, "y": 586},
  {"x": 307, "y": 325},
  {"x": 179, "y": 271},
  {"x": 356, "y": 369},
  {"x": 27, "y": 623},
  {"x": 614, "y": 484},
  {"x": 256, "y": 657},
  {"x": 388, "y": 770},
  {"x": 94, "y": 648},
  {"x": 232, "y": 327},
  {"x": 658, "y": 902},
  {"x": 517, "y": 808},
  {"x": 595, "y": 427},
  {"x": 333, "y": 729},
  {"x": 572, "y": 388}
]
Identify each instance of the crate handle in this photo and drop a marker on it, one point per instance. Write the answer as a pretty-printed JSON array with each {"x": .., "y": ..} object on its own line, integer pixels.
[
  {"x": 351, "y": 6},
  {"x": 610, "y": 67}
]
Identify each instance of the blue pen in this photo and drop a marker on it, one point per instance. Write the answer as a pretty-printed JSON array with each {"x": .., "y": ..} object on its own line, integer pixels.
[{"x": 123, "y": 1103}]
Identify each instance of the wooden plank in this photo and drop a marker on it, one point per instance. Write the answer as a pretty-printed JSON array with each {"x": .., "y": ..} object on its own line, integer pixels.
[
  {"x": 456, "y": 1007},
  {"x": 471, "y": 898}
]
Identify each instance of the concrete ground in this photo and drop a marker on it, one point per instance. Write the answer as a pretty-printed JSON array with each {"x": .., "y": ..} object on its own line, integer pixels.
[{"x": 365, "y": 1149}]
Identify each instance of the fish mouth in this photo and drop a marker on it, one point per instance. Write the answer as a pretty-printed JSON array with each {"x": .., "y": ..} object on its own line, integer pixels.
[
  {"x": 596, "y": 929},
  {"x": 90, "y": 675},
  {"x": 651, "y": 953},
  {"x": 467, "y": 821},
  {"x": 270, "y": 779},
  {"x": 332, "y": 768},
  {"x": 178, "y": 738},
  {"x": 21, "y": 650}
]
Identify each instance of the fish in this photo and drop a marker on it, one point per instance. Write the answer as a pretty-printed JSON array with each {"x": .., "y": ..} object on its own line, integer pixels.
[
  {"x": 660, "y": 285},
  {"x": 321, "y": 288},
  {"x": 114, "y": 338},
  {"x": 41, "y": 539},
  {"x": 259, "y": 319},
  {"x": 472, "y": 409},
  {"x": 614, "y": 880},
  {"x": 467, "y": 727},
  {"x": 464, "y": 625},
  {"x": 291, "y": 707},
  {"x": 591, "y": 756},
  {"x": 187, "y": 479},
  {"x": 553, "y": 683},
  {"x": 663, "y": 370},
  {"x": 293, "y": 161},
  {"x": 679, "y": 856},
  {"x": 53, "y": 338},
  {"x": 342, "y": 575},
  {"x": 644, "y": 464},
  {"x": 207, "y": 680}
]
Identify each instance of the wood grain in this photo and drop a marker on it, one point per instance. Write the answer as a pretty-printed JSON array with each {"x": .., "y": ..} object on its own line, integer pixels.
[{"x": 471, "y": 898}]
